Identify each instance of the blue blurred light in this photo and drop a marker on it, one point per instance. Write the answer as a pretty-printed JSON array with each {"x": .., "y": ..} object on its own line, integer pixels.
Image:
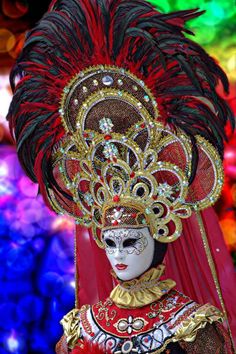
[
  {"x": 31, "y": 282},
  {"x": 51, "y": 284},
  {"x": 9, "y": 315},
  {"x": 20, "y": 259},
  {"x": 30, "y": 308}
]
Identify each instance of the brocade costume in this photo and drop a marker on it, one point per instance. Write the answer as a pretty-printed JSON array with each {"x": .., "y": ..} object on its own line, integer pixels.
[{"x": 147, "y": 315}]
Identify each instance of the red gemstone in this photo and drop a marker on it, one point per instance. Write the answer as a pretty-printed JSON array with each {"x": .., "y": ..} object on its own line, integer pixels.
[
  {"x": 116, "y": 199},
  {"x": 145, "y": 340},
  {"x": 107, "y": 137},
  {"x": 132, "y": 174},
  {"x": 142, "y": 125},
  {"x": 92, "y": 334},
  {"x": 154, "y": 197},
  {"x": 133, "y": 215},
  {"x": 115, "y": 222},
  {"x": 85, "y": 135},
  {"x": 114, "y": 159}
]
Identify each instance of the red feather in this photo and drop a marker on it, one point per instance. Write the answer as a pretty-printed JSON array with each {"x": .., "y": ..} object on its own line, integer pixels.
[{"x": 87, "y": 347}]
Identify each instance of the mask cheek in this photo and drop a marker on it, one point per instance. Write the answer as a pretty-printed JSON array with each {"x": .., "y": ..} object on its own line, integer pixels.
[{"x": 110, "y": 253}]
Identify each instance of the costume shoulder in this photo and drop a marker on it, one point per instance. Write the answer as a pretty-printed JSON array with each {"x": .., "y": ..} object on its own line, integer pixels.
[{"x": 173, "y": 321}]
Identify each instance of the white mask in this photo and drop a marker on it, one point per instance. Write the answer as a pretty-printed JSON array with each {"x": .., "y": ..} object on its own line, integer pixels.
[{"x": 130, "y": 251}]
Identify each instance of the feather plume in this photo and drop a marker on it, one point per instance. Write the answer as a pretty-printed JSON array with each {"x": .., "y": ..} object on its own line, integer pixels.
[{"x": 75, "y": 34}]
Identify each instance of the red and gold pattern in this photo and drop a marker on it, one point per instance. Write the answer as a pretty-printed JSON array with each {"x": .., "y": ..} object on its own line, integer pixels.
[
  {"x": 107, "y": 315},
  {"x": 149, "y": 326}
]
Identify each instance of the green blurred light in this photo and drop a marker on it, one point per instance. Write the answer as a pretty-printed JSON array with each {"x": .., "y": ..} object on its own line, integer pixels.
[
  {"x": 204, "y": 35},
  {"x": 162, "y": 6},
  {"x": 214, "y": 13},
  {"x": 185, "y": 5}
]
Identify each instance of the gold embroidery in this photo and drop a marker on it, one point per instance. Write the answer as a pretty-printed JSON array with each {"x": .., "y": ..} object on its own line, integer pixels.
[
  {"x": 84, "y": 320},
  {"x": 104, "y": 312}
]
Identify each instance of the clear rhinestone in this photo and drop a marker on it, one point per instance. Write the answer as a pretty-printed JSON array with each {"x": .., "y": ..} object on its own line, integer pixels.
[
  {"x": 107, "y": 80},
  {"x": 120, "y": 82},
  {"x": 106, "y": 125},
  {"x": 66, "y": 90},
  {"x": 154, "y": 103},
  {"x": 88, "y": 198},
  {"x": 110, "y": 150},
  {"x": 76, "y": 101},
  {"x": 95, "y": 82},
  {"x": 139, "y": 105},
  {"x": 146, "y": 98},
  {"x": 165, "y": 189},
  {"x": 135, "y": 88},
  {"x": 141, "y": 83},
  {"x": 120, "y": 93},
  {"x": 85, "y": 89}
]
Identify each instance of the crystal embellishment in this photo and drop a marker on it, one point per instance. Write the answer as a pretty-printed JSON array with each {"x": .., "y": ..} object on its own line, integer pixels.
[
  {"x": 107, "y": 80},
  {"x": 110, "y": 151},
  {"x": 165, "y": 190},
  {"x": 106, "y": 125},
  {"x": 88, "y": 198}
]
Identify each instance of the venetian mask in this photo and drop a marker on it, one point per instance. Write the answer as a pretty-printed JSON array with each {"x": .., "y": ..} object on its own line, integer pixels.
[{"x": 130, "y": 251}]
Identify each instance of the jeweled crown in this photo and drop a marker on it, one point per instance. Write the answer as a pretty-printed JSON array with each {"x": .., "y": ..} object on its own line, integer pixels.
[{"x": 119, "y": 166}]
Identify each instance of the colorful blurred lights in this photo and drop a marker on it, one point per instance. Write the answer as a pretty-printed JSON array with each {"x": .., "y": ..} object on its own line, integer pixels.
[
  {"x": 3, "y": 169},
  {"x": 7, "y": 40},
  {"x": 12, "y": 343}
]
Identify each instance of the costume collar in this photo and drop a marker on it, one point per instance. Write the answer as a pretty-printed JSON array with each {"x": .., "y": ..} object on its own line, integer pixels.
[{"x": 143, "y": 290}]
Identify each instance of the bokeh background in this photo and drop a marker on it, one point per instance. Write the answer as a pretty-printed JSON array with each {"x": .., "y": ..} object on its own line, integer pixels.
[{"x": 36, "y": 246}]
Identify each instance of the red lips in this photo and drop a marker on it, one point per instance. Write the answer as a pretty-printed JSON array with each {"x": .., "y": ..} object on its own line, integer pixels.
[{"x": 121, "y": 266}]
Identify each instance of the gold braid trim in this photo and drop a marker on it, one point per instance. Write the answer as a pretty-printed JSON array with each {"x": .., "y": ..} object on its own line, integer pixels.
[
  {"x": 189, "y": 327},
  {"x": 71, "y": 326}
]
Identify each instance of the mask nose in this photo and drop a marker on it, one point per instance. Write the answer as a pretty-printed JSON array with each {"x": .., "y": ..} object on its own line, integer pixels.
[{"x": 119, "y": 254}]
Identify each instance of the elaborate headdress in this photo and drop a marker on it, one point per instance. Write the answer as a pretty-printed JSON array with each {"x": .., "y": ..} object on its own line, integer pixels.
[{"x": 116, "y": 115}]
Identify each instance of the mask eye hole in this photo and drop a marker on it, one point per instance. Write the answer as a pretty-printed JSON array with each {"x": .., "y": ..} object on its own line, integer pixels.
[
  {"x": 110, "y": 243},
  {"x": 129, "y": 242}
]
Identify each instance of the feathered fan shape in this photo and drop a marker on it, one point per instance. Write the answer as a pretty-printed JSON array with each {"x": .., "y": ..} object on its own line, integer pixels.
[{"x": 75, "y": 34}]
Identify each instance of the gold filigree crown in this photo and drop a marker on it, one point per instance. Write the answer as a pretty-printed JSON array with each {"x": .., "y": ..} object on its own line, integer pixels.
[{"x": 119, "y": 166}]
